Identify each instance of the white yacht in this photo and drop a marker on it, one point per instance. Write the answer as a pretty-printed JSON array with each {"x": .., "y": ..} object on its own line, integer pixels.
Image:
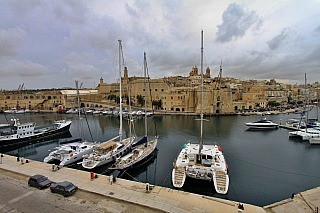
[
  {"x": 204, "y": 162},
  {"x": 262, "y": 124},
  {"x": 66, "y": 154}
]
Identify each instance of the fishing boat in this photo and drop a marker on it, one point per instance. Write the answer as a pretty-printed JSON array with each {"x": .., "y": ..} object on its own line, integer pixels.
[
  {"x": 262, "y": 124},
  {"x": 68, "y": 153},
  {"x": 17, "y": 133},
  {"x": 145, "y": 149},
  {"x": 199, "y": 161},
  {"x": 108, "y": 151}
]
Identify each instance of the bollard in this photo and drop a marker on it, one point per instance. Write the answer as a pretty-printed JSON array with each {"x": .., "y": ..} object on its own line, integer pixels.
[
  {"x": 0, "y": 158},
  {"x": 92, "y": 175},
  {"x": 147, "y": 187},
  {"x": 18, "y": 159},
  {"x": 21, "y": 160},
  {"x": 111, "y": 179},
  {"x": 53, "y": 167}
]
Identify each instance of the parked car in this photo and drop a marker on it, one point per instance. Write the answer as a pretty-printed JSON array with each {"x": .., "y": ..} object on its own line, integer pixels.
[
  {"x": 39, "y": 181},
  {"x": 65, "y": 188}
]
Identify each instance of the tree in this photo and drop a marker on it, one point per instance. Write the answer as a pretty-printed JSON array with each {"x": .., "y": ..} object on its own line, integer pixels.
[
  {"x": 140, "y": 100},
  {"x": 158, "y": 103},
  {"x": 273, "y": 104}
]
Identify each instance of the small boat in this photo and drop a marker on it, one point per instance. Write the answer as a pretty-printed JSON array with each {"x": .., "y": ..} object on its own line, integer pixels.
[
  {"x": 17, "y": 134},
  {"x": 21, "y": 111},
  {"x": 11, "y": 111},
  {"x": 262, "y": 124},
  {"x": 199, "y": 161}
]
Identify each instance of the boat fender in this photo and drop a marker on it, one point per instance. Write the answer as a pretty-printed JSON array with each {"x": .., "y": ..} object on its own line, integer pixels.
[
  {"x": 227, "y": 170},
  {"x": 71, "y": 155},
  {"x": 219, "y": 148}
]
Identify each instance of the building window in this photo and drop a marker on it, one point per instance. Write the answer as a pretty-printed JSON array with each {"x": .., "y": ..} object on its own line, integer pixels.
[
  {"x": 43, "y": 97},
  {"x": 161, "y": 90},
  {"x": 8, "y": 97},
  {"x": 37, "y": 97},
  {"x": 31, "y": 97},
  {"x": 25, "y": 97},
  {"x": 54, "y": 97},
  {"x": 156, "y": 90},
  {"x": 171, "y": 97}
]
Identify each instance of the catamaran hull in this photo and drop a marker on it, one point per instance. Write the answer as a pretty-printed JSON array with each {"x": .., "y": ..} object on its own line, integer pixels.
[{"x": 36, "y": 137}]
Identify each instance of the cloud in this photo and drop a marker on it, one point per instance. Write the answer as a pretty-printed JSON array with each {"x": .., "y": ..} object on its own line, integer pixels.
[
  {"x": 278, "y": 40},
  {"x": 236, "y": 20},
  {"x": 77, "y": 68},
  {"x": 22, "y": 8},
  {"x": 10, "y": 40},
  {"x": 72, "y": 11},
  {"x": 23, "y": 69}
]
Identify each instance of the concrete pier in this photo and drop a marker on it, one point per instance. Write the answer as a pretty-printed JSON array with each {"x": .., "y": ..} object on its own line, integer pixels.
[{"x": 160, "y": 198}]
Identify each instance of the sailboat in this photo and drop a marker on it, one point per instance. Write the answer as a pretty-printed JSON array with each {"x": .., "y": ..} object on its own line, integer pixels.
[
  {"x": 199, "y": 161},
  {"x": 108, "y": 151},
  {"x": 68, "y": 153},
  {"x": 143, "y": 149}
]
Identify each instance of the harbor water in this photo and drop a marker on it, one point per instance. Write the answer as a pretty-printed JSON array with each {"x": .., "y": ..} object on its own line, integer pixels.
[{"x": 264, "y": 166}]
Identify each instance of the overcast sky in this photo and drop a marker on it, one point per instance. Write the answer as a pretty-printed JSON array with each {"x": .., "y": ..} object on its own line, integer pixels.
[{"x": 50, "y": 44}]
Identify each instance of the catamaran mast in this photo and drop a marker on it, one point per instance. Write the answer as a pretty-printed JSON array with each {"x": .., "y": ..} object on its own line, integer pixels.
[
  {"x": 145, "y": 95},
  {"x": 120, "y": 129},
  {"x": 201, "y": 114}
]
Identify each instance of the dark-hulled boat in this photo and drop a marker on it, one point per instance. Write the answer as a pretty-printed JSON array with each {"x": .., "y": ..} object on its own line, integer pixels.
[{"x": 17, "y": 134}]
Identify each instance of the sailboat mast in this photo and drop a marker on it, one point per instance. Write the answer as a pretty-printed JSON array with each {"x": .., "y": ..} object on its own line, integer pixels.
[
  {"x": 120, "y": 129},
  {"x": 79, "y": 123},
  {"x": 307, "y": 102},
  {"x": 201, "y": 114},
  {"x": 318, "y": 102},
  {"x": 145, "y": 94}
]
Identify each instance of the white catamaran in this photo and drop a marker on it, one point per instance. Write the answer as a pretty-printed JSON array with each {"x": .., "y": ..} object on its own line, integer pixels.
[
  {"x": 145, "y": 149},
  {"x": 204, "y": 162},
  {"x": 108, "y": 151}
]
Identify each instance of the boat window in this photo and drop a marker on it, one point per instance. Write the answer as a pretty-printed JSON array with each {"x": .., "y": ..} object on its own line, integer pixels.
[{"x": 209, "y": 157}]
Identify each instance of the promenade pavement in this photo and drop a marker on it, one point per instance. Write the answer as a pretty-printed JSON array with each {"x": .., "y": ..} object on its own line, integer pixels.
[{"x": 161, "y": 198}]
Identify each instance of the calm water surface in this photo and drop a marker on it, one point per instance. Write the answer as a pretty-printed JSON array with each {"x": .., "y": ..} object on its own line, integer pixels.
[{"x": 264, "y": 166}]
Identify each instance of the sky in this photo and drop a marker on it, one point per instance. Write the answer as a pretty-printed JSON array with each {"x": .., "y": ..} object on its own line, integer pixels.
[{"x": 50, "y": 44}]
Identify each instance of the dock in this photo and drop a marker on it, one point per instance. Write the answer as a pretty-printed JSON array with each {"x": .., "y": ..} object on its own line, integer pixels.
[
  {"x": 157, "y": 197},
  {"x": 289, "y": 127}
]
